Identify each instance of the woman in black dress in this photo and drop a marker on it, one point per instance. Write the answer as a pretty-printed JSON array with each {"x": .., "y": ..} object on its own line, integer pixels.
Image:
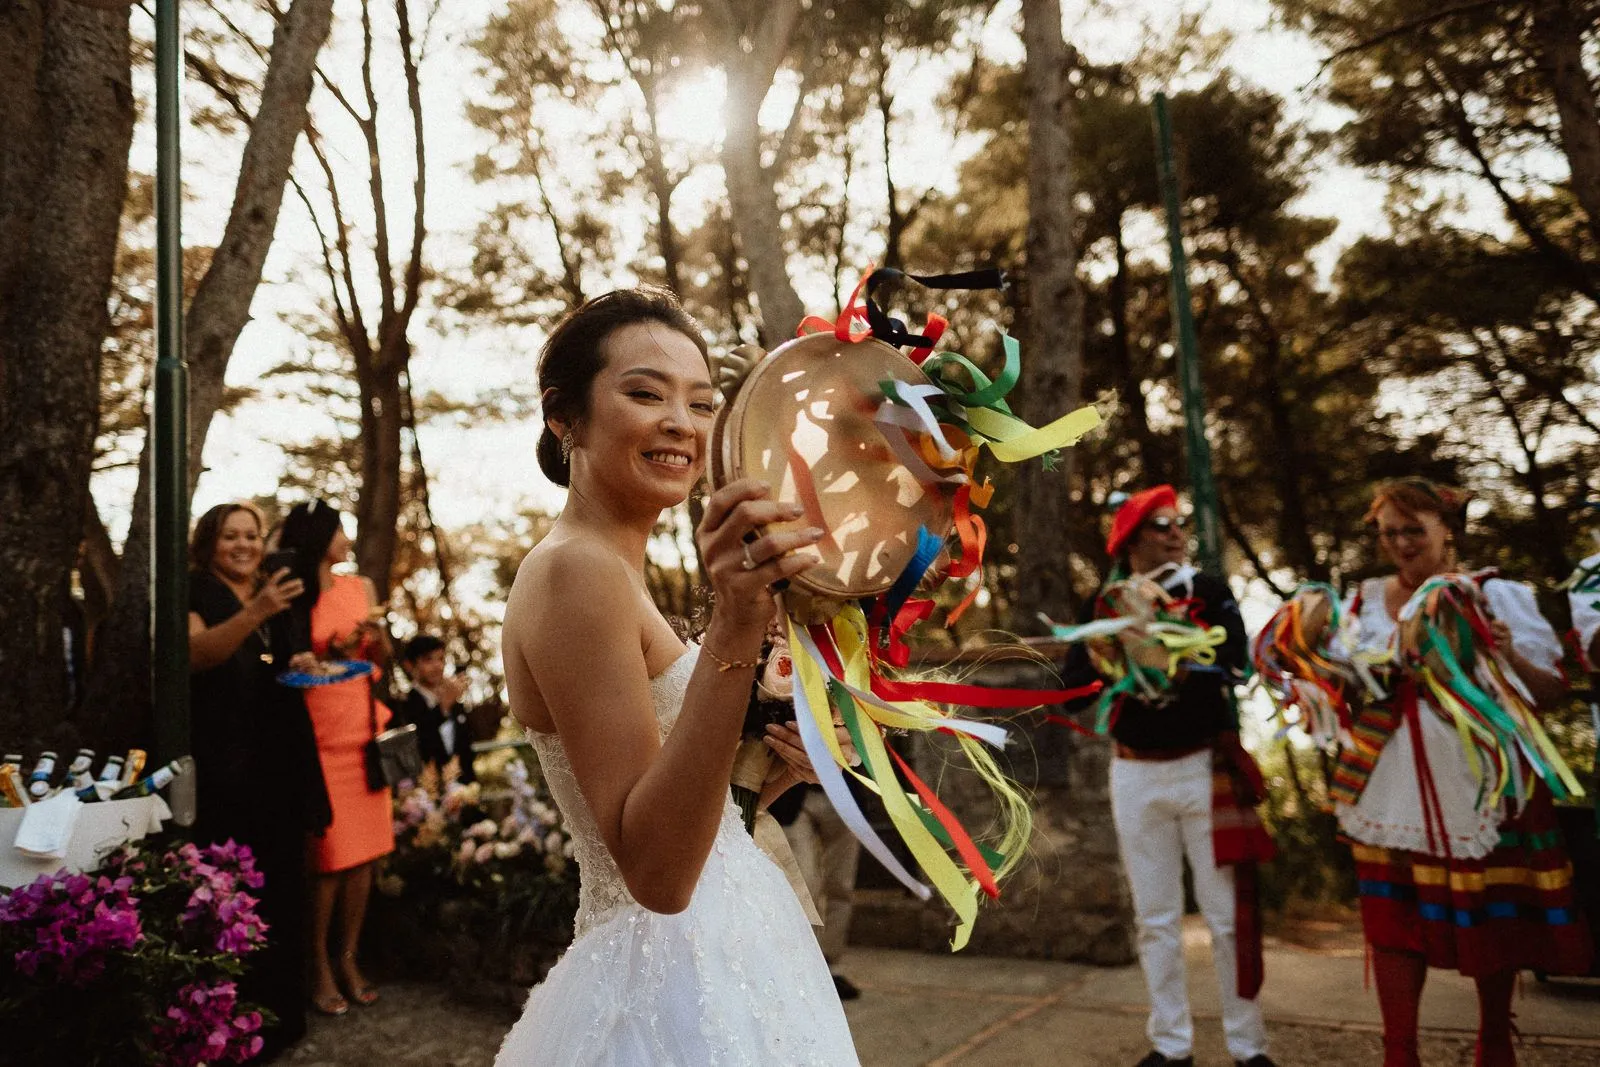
[{"x": 257, "y": 776}]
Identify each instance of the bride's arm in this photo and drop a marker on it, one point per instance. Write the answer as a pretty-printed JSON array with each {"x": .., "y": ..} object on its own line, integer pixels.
[{"x": 657, "y": 805}]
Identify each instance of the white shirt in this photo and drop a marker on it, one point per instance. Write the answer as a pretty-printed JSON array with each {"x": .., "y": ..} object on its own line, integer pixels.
[
  {"x": 447, "y": 728},
  {"x": 1585, "y": 600}
]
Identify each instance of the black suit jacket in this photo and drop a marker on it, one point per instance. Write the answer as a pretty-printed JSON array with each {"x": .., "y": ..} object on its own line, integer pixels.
[{"x": 415, "y": 710}]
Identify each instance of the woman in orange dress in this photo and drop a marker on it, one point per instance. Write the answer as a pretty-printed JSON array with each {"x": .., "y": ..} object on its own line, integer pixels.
[{"x": 341, "y": 627}]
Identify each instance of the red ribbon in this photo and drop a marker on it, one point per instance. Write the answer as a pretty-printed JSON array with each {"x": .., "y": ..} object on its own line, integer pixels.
[
  {"x": 932, "y": 331},
  {"x": 841, "y": 326},
  {"x": 973, "y": 696},
  {"x": 968, "y": 851}
]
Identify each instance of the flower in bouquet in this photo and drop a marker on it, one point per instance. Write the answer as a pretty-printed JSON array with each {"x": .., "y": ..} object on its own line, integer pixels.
[
  {"x": 68, "y": 926},
  {"x": 205, "y": 1025}
]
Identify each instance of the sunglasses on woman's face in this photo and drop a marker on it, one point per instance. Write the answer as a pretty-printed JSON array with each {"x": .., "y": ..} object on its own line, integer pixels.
[{"x": 1166, "y": 525}]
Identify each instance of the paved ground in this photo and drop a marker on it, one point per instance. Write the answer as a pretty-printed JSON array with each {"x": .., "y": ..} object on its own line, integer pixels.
[{"x": 974, "y": 1011}]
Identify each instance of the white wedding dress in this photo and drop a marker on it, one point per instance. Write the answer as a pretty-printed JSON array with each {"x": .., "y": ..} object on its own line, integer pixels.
[{"x": 736, "y": 978}]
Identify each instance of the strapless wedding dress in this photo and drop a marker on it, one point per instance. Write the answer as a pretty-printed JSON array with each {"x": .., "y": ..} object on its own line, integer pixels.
[{"x": 734, "y": 979}]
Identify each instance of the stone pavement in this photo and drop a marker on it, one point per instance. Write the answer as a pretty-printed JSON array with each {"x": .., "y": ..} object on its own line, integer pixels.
[{"x": 973, "y": 1011}]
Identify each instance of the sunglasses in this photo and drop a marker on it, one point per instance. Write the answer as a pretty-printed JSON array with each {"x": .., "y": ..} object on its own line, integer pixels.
[{"x": 1165, "y": 525}]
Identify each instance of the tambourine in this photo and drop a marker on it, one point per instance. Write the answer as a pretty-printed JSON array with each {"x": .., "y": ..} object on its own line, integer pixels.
[
  {"x": 1448, "y": 615},
  {"x": 1293, "y": 656},
  {"x": 805, "y": 420},
  {"x": 1445, "y": 642},
  {"x": 1140, "y": 602}
]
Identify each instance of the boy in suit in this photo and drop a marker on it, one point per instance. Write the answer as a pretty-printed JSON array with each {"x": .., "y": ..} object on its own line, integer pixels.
[{"x": 434, "y": 706}]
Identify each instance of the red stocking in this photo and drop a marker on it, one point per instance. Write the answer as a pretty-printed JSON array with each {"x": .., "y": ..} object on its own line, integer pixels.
[
  {"x": 1399, "y": 977},
  {"x": 1494, "y": 1020}
]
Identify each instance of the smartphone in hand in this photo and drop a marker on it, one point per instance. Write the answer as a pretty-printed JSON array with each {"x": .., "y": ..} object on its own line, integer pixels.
[{"x": 277, "y": 561}]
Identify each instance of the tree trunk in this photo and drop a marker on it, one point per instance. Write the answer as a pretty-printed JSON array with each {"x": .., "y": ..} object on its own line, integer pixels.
[
  {"x": 65, "y": 129},
  {"x": 119, "y": 682},
  {"x": 1052, "y": 365},
  {"x": 895, "y": 220},
  {"x": 662, "y": 186},
  {"x": 1560, "y": 42},
  {"x": 752, "y": 196},
  {"x": 378, "y": 509}
]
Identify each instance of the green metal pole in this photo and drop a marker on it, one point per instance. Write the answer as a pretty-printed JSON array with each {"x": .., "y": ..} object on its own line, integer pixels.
[
  {"x": 1202, "y": 486},
  {"x": 169, "y": 426}
]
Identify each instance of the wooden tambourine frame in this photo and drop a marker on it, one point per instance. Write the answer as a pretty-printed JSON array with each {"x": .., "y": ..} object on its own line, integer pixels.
[{"x": 802, "y": 421}]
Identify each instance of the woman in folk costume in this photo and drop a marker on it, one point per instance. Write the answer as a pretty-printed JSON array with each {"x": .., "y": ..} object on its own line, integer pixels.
[
  {"x": 1450, "y": 875},
  {"x": 1170, "y": 755}
]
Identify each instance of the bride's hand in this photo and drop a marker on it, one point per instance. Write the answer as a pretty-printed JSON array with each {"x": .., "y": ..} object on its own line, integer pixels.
[
  {"x": 784, "y": 740},
  {"x": 742, "y": 562}
]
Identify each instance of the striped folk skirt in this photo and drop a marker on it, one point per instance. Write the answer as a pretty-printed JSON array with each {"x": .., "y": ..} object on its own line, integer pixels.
[{"x": 1512, "y": 909}]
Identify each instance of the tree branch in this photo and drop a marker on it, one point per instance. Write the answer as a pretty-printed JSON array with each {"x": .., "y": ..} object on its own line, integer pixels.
[
  {"x": 1401, "y": 29},
  {"x": 419, "y": 186}
]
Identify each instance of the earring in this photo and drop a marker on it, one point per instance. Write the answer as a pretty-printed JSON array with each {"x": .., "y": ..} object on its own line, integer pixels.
[{"x": 567, "y": 444}]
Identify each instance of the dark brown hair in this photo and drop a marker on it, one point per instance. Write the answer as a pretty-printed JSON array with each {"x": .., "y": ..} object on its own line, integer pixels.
[
  {"x": 208, "y": 531},
  {"x": 572, "y": 358},
  {"x": 1414, "y": 496}
]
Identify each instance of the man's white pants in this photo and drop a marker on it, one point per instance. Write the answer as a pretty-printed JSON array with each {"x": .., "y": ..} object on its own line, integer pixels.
[
  {"x": 827, "y": 854},
  {"x": 1162, "y": 810}
]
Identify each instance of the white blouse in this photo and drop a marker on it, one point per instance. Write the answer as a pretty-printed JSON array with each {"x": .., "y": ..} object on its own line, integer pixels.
[
  {"x": 1389, "y": 811},
  {"x": 1586, "y": 608}
]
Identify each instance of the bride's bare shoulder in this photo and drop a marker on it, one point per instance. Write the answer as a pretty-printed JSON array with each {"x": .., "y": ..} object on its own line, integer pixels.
[{"x": 559, "y": 577}]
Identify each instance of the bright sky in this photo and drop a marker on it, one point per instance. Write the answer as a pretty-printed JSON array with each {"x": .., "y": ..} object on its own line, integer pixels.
[{"x": 486, "y": 471}]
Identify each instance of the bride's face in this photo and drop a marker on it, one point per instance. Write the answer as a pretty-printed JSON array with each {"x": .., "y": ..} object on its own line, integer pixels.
[{"x": 649, "y": 413}]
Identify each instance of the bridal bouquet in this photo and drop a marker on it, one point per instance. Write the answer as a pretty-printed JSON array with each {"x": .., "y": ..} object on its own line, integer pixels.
[{"x": 771, "y": 701}]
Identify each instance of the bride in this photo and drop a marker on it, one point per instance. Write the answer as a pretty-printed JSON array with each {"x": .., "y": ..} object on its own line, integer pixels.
[{"x": 690, "y": 948}]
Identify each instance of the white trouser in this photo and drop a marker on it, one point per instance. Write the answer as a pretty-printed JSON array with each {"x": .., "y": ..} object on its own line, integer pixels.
[
  {"x": 827, "y": 853},
  {"x": 1162, "y": 810}
]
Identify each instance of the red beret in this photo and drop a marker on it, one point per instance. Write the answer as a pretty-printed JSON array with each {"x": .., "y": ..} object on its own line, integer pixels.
[{"x": 1131, "y": 515}]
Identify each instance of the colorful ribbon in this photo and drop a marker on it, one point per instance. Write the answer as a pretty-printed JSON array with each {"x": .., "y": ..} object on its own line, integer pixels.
[
  {"x": 937, "y": 429},
  {"x": 1444, "y": 639}
]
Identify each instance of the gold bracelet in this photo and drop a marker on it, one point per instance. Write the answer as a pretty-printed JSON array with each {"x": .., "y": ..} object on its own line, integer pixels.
[{"x": 724, "y": 665}]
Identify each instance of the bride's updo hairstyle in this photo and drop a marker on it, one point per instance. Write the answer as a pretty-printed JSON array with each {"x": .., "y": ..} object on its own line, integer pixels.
[{"x": 573, "y": 357}]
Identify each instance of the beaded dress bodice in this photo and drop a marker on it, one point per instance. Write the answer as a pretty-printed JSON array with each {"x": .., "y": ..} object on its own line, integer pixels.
[
  {"x": 734, "y": 980},
  {"x": 603, "y": 891}
]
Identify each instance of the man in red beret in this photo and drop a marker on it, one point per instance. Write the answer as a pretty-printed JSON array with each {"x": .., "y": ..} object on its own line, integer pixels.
[{"x": 1162, "y": 794}]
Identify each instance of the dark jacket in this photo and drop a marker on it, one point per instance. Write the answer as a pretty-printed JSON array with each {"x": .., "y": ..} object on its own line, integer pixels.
[{"x": 415, "y": 710}]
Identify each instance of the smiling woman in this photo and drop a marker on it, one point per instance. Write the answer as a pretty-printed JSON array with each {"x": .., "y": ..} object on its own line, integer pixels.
[{"x": 684, "y": 927}]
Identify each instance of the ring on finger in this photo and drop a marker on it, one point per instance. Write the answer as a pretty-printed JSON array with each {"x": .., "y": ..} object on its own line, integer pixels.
[{"x": 750, "y": 563}]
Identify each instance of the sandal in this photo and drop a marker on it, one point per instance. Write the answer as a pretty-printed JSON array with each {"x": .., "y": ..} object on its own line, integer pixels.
[
  {"x": 331, "y": 1004},
  {"x": 360, "y": 992}
]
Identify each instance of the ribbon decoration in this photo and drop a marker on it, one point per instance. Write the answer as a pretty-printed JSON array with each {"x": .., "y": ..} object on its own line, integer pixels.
[
  {"x": 1308, "y": 663},
  {"x": 1444, "y": 640},
  {"x": 938, "y": 430},
  {"x": 1141, "y": 652}
]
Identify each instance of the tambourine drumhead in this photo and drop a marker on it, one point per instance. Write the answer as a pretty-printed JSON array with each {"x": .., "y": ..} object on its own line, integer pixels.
[
  {"x": 803, "y": 423},
  {"x": 1316, "y": 611}
]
